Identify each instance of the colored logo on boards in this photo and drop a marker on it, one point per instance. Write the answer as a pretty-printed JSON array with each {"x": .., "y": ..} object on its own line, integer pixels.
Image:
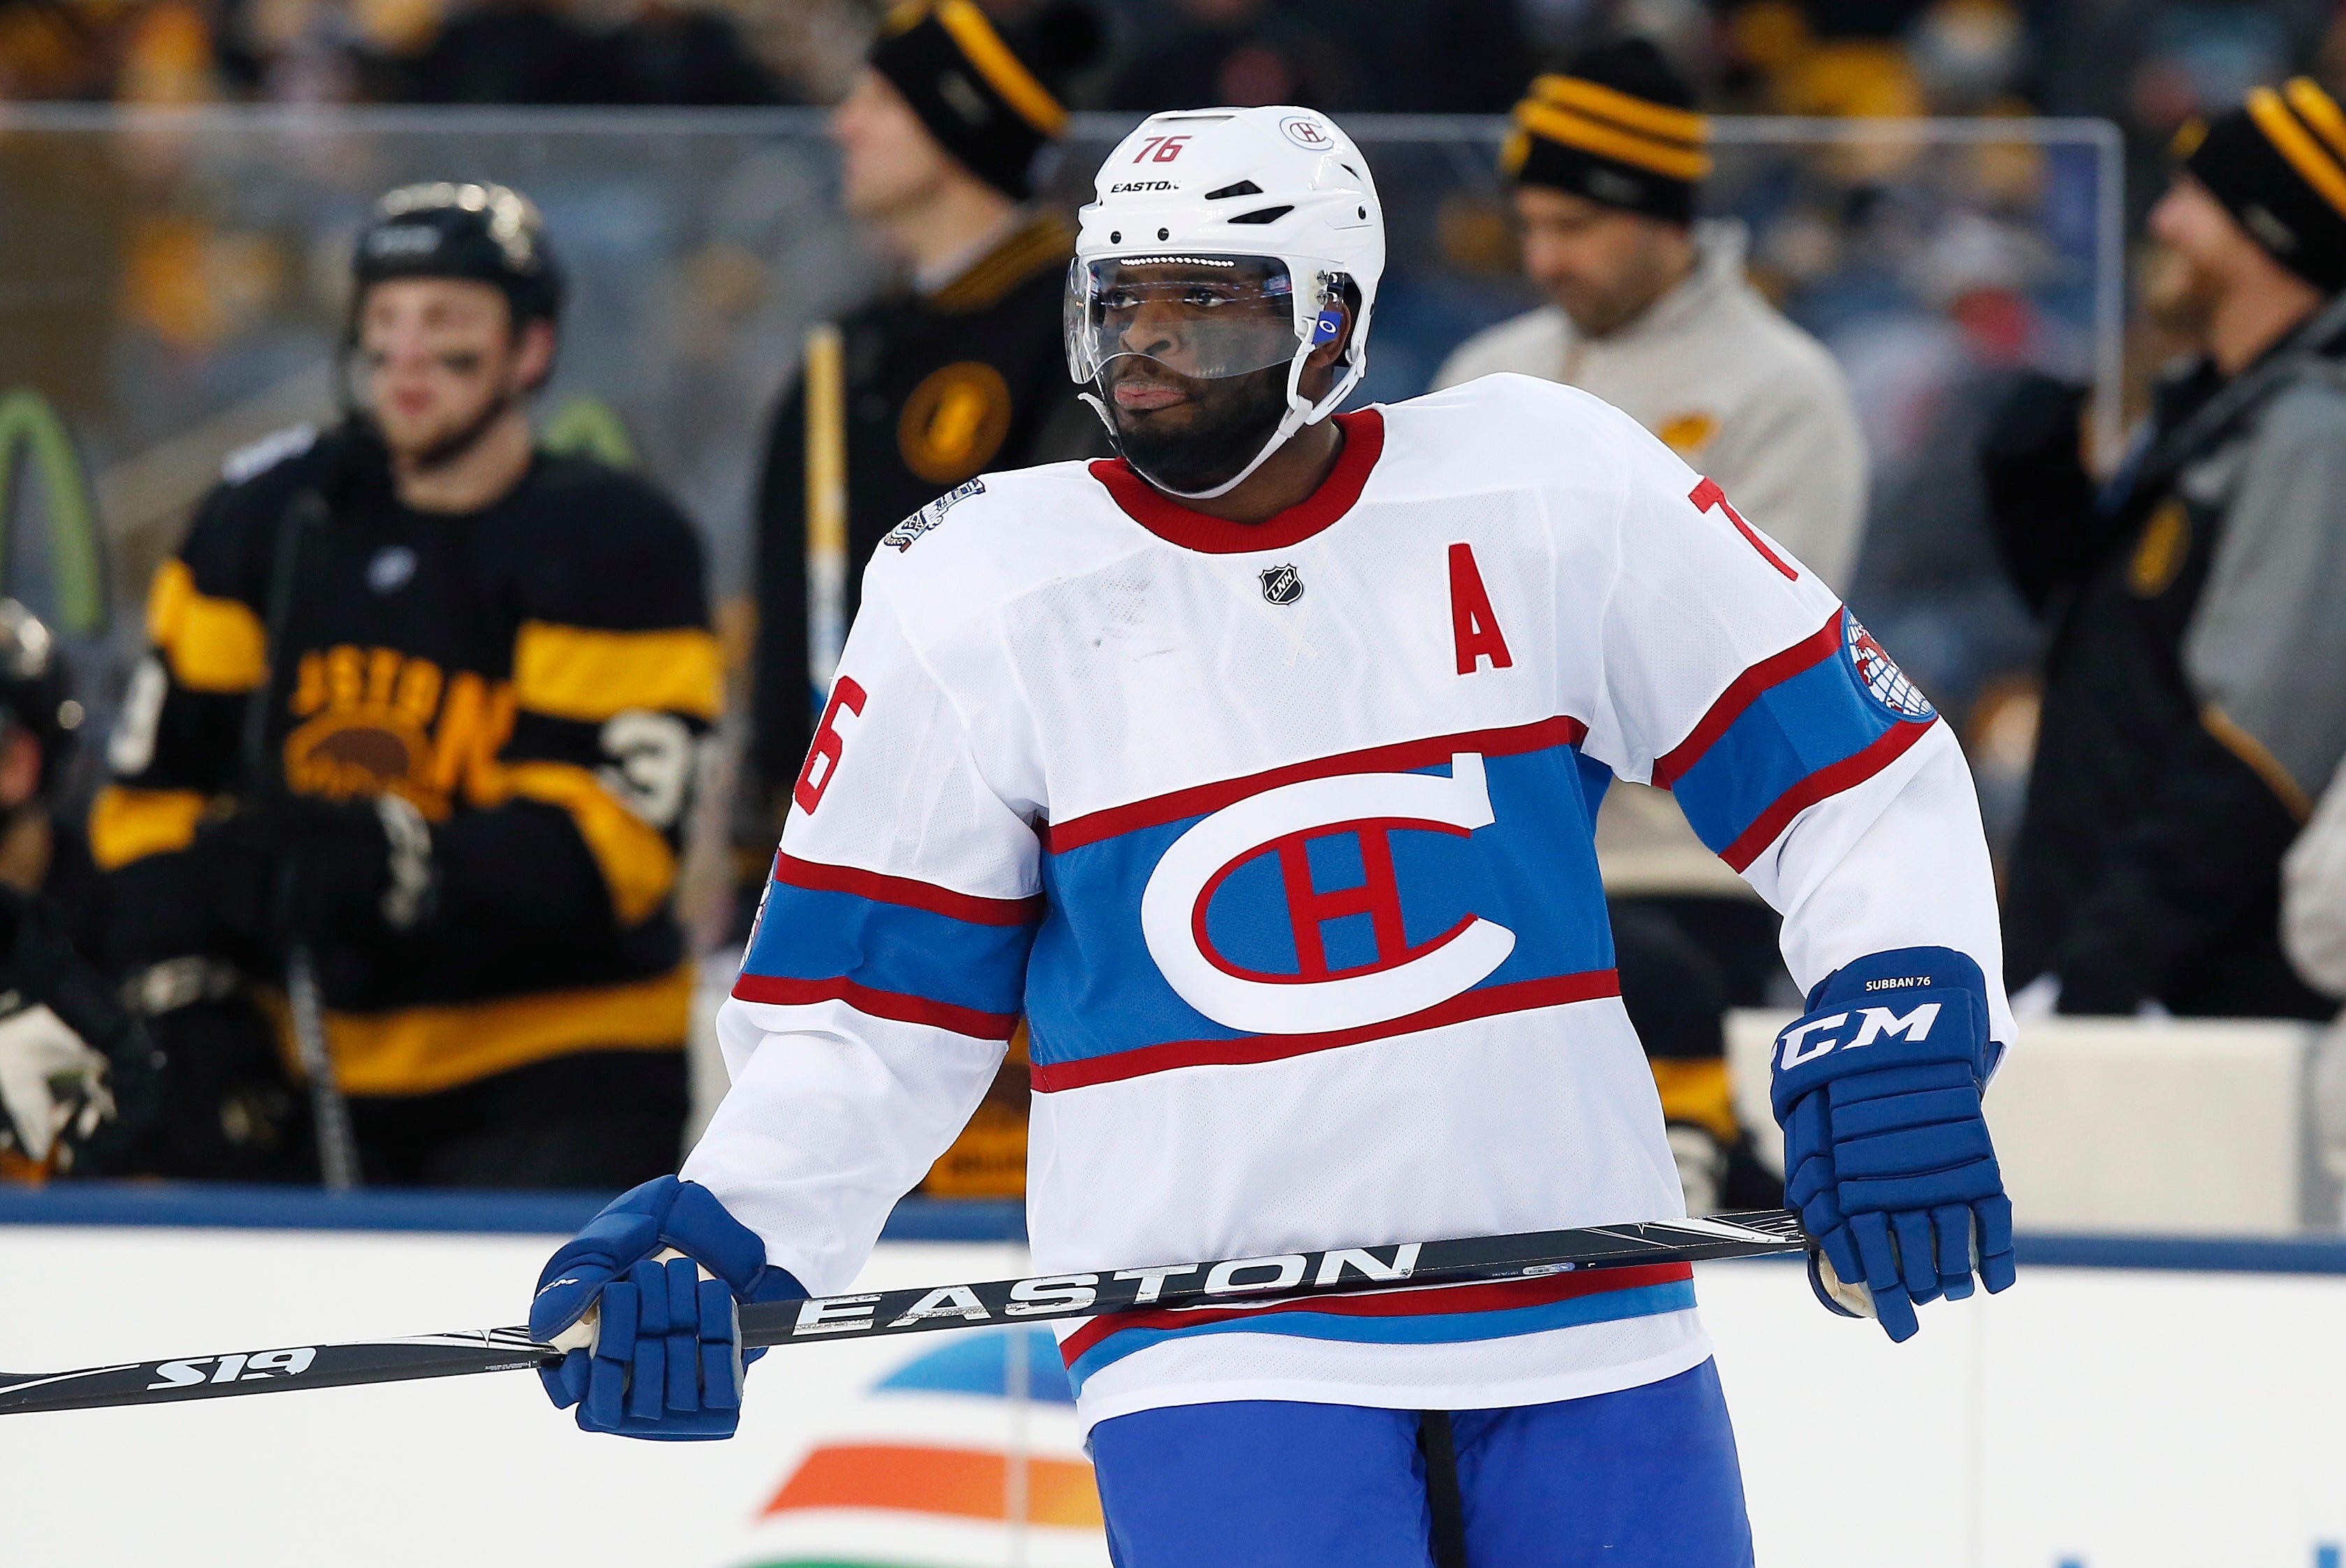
[
  {"x": 1283, "y": 913},
  {"x": 920, "y": 1483}
]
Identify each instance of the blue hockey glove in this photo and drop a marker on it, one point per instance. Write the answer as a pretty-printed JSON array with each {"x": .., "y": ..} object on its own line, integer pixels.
[
  {"x": 655, "y": 1347},
  {"x": 1886, "y": 1150}
]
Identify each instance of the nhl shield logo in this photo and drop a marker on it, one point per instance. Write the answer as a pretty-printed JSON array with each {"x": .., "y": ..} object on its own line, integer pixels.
[{"x": 1281, "y": 585}]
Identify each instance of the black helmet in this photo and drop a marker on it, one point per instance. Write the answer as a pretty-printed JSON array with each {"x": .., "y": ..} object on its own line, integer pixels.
[
  {"x": 33, "y": 688},
  {"x": 488, "y": 233}
]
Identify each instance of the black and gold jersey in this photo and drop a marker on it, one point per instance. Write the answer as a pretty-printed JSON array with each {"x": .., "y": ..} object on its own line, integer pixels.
[
  {"x": 537, "y": 677},
  {"x": 938, "y": 388}
]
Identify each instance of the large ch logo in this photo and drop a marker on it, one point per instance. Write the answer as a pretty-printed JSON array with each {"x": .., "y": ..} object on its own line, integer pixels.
[{"x": 1367, "y": 808}]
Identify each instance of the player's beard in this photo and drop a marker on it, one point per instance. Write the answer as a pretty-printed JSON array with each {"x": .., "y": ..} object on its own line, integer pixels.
[
  {"x": 1231, "y": 420},
  {"x": 2177, "y": 295},
  {"x": 452, "y": 446}
]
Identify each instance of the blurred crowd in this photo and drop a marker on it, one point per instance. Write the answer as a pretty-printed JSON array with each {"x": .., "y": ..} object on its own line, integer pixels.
[
  {"x": 1948, "y": 295},
  {"x": 2148, "y": 65}
]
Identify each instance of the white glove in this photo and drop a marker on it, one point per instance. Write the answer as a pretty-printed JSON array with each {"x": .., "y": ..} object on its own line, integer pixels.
[{"x": 51, "y": 1084}]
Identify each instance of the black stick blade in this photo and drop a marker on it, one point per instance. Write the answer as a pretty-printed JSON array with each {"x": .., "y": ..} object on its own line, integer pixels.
[{"x": 273, "y": 1371}]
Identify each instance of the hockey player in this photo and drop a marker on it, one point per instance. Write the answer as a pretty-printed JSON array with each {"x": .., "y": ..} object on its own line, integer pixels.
[
  {"x": 941, "y": 141},
  {"x": 1649, "y": 310},
  {"x": 430, "y": 700},
  {"x": 1257, "y": 767},
  {"x": 76, "y": 1072},
  {"x": 944, "y": 139}
]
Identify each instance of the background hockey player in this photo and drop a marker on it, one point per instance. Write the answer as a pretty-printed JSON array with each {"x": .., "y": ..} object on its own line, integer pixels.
[
  {"x": 77, "y": 1072},
  {"x": 958, "y": 369},
  {"x": 479, "y": 720},
  {"x": 1257, "y": 768},
  {"x": 1649, "y": 310},
  {"x": 2192, "y": 710}
]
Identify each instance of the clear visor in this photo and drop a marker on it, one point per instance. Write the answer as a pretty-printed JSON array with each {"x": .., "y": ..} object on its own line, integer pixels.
[{"x": 1203, "y": 317}]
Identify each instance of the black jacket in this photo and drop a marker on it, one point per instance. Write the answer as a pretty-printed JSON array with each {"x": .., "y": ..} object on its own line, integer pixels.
[{"x": 2178, "y": 747}]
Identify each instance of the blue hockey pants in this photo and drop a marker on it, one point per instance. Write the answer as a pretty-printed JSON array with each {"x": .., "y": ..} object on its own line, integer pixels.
[{"x": 1644, "y": 1478}]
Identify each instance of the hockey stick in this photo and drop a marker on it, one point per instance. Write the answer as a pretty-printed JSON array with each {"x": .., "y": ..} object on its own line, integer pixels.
[
  {"x": 826, "y": 506},
  {"x": 1344, "y": 1270},
  {"x": 330, "y": 1114}
]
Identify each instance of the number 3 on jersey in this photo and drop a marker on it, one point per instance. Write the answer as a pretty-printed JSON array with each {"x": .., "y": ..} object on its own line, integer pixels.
[{"x": 822, "y": 757}]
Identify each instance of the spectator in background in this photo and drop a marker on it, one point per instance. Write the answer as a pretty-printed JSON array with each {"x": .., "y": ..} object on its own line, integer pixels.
[
  {"x": 2192, "y": 701},
  {"x": 2313, "y": 932},
  {"x": 681, "y": 54},
  {"x": 961, "y": 369},
  {"x": 507, "y": 52},
  {"x": 1651, "y": 312},
  {"x": 1244, "y": 53}
]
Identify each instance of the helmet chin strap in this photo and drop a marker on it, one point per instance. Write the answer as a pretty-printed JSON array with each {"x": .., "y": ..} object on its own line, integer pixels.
[{"x": 1299, "y": 414}]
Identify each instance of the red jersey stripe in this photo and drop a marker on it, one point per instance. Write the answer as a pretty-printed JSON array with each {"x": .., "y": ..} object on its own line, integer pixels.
[
  {"x": 1773, "y": 670},
  {"x": 1826, "y": 782},
  {"x": 1398, "y": 758},
  {"x": 1498, "y": 1296},
  {"x": 819, "y": 876},
  {"x": 1522, "y": 996},
  {"x": 783, "y": 991}
]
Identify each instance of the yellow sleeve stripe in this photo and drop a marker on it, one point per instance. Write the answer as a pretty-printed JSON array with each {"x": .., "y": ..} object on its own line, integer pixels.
[
  {"x": 2317, "y": 109},
  {"x": 2314, "y": 165},
  {"x": 1696, "y": 1090},
  {"x": 1573, "y": 129},
  {"x": 212, "y": 645},
  {"x": 576, "y": 672},
  {"x": 637, "y": 866},
  {"x": 1634, "y": 113},
  {"x": 440, "y": 1046},
  {"x": 127, "y": 825},
  {"x": 2260, "y": 761},
  {"x": 1004, "y": 71}
]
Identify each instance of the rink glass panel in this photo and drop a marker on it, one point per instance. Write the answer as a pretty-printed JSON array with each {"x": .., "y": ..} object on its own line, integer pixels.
[{"x": 175, "y": 286}]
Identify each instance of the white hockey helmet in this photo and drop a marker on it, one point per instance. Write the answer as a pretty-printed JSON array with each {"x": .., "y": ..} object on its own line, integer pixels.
[{"x": 1279, "y": 187}]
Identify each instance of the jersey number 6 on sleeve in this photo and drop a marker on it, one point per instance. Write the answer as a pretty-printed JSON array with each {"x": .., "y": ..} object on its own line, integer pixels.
[
  {"x": 828, "y": 744},
  {"x": 1707, "y": 495}
]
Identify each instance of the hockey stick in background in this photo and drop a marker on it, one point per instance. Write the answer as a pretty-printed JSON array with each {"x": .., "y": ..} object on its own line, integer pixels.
[
  {"x": 826, "y": 507},
  {"x": 338, "y": 1148},
  {"x": 1241, "y": 1281}
]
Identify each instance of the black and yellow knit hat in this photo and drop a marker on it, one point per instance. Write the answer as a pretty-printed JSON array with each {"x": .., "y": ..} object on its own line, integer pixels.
[
  {"x": 988, "y": 92},
  {"x": 2277, "y": 163},
  {"x": 1617, "y": 125}
]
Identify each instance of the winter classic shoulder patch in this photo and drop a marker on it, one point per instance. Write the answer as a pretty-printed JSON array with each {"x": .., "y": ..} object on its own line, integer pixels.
[
  {"x": 1879, "y": 675},
  {"x": 901, "y": 537}
]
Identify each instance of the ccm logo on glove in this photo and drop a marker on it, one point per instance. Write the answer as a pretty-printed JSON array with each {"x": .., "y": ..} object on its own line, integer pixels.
[{"x": 1812, "y": 1037}]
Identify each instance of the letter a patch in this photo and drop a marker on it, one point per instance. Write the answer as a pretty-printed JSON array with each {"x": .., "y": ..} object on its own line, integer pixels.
[{"x": 1472, "y": 620}]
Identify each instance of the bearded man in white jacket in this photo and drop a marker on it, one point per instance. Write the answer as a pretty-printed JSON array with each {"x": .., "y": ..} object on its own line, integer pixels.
[{"x": 1649, "y": 310}]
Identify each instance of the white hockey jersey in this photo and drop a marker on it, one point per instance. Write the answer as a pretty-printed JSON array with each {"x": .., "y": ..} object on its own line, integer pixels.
[{"x": 1279, "y": 837}]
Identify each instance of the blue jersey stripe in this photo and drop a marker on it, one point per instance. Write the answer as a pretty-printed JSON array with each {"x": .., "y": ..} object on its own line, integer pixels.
[
  {"x": 806, "y": 934},
  {"x": 1796, "y": 727}
]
